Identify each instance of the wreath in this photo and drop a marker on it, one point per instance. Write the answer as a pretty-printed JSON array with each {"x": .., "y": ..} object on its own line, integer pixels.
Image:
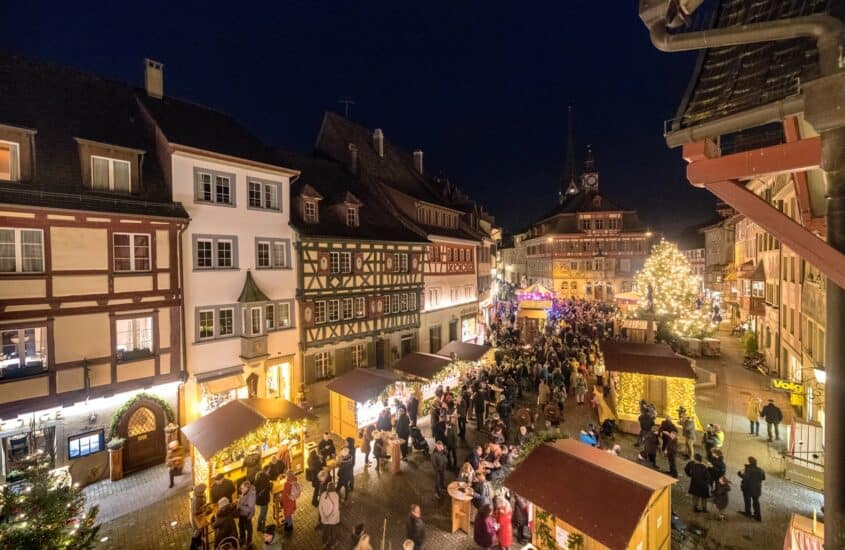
[{"x": 121, "y": 411}]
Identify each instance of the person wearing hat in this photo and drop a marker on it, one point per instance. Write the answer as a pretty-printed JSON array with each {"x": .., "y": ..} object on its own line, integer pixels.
[
  {"x": 272, "y": 541},
  {"x": 175, "y": 460},
  {"x": 773, "y": 416},
  {"x": 224, "y": 523},
  {"x": 345, "y": 473}
]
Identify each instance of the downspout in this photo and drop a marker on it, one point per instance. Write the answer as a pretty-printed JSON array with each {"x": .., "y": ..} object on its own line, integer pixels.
[{"x": 184, "y": 374}]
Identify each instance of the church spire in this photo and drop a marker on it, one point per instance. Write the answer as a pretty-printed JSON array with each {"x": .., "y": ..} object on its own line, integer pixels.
[{"x": 568, "y": 183}]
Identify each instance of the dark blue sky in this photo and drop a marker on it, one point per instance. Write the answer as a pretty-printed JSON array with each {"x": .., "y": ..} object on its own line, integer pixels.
[{"x": 482, "y": 88}]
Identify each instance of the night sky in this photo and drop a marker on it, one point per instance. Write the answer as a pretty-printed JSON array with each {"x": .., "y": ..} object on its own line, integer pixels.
[{"x": 482, "y": 88}]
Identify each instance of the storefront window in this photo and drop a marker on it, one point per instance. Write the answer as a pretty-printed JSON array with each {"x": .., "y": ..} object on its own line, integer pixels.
[{"x": 85, "y": 444}]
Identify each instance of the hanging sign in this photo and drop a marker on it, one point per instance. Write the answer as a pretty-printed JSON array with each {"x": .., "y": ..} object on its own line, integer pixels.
[{"x": 788, "y": 386}]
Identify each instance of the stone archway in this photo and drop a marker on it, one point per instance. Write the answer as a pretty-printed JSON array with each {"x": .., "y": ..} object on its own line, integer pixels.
[{"x": 142, "y": 426}]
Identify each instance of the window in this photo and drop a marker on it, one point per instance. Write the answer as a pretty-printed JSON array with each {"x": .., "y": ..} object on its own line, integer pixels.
[
  {"x": 269, "y": 317},
  {"x": 586, "y": 224},
  {"x": 323, "y": 365},
  {"x": 206, "y": 324},
  {"x": 309, "y": 211},
  {"x": 227, "y": 322},
  {"x": 625, "y": 265},
  {"x": 110, "y": 174},
  {"x": 134, "y": 337},
  {"x": 352, "y": 216},
  {"x": 217, "y": 252},
  {"x": 21, "y": 250},
  {"x": 600, "y": 223},
  {"x": 360, "y": 307},
  {"x": 271, "y": 254},
  {"x": 394, "y": 303},
  {"x": 347, "y": 308},
  {"x": 283, "y": 320},
  {"x": 215, "y": 322},
  {"x": 263, "y": 194},
  {"x": 359, "y": 356},
  {"x": 23, "y": 351},
  {"x": 214, "y": 187},
  {"x": 400, "y": 262},
  {"x": 340, "y": 262},
  {"x": 403, "y": 302},
  {"x": 412, "y": 301},
  {"x": 433, "y": 297},
  {"x": 131, "y": 252},
  {"x": 387, "y": 304},
  {"x": 86, "y": 444},
  {"x": 434, "y": 344},
  {"x": 334, "y": 310},
  {"x": 254, "y": 321},
  {"x": 10, "y": 161},
  {"x": 319, "y": 312}
]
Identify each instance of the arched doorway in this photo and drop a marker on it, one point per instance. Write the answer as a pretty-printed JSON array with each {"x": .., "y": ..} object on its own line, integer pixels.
[{"x": 142, "y": 426}]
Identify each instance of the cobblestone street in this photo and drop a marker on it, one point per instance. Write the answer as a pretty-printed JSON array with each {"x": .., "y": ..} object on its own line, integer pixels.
[{"x": 160, "y": 519}]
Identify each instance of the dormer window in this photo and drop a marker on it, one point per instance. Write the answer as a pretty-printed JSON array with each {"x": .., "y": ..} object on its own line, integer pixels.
[
  {"x": 10, "y": 161},
  {"x": 309, "y": 211},
  {"x": 352, "y": 216},
  {"x": 108, "y": 174}
]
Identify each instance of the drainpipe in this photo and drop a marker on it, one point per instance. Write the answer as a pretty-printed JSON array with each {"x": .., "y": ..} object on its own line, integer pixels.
[{"x": 823, "y": 100}]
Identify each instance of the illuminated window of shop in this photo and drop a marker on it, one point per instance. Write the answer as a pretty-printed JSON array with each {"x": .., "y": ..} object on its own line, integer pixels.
[
  {"x": 23, "y": 352},
  {"x": 86, "y": 444}
]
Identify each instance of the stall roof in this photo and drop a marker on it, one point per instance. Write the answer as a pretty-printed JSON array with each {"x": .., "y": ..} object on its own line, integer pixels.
[
  {"x": 657, "y": 359},
  {"x": 223, "y": 426},
  {"x": 361, "y": 385},
  {"x": 463, "y": 351},
  {"x": 610, "y": 521},
  {"x": 422, "y": 365}
]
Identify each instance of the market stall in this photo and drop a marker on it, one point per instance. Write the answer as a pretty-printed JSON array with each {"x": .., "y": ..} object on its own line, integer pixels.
[
  {"x": 244, "y": 432},
  {"x": 638, "y": 515},
  {"x": 534, "y": 305},
  {"x": 357, "y": 397},
  {"x": 426, "y": 371},
  {"x": 626, "y": 301},
  {"x": 804, "y": 534},
  {"x": 637, "y": 331},
  {"x": 652, "y": 372},
  {"x": 463, "y": 351}
]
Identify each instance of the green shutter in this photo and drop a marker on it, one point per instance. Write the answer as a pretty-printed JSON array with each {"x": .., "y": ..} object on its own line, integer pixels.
[
  {"x": 371, "y": 354},
  {"x": 343, "y": 360},
  {"x": 308, "y": 369}
]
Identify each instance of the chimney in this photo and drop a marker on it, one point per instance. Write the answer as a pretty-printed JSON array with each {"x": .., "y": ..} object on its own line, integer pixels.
[
  {"x": 353, "y": 158},
  {"x": 378, "y": 142},
  {"x": 154, "y": 78},
  {"x": 418, "y": 160}
]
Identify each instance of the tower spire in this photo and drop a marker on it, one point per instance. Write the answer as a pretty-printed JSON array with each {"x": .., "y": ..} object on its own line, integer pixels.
[{"x": 568, "y": 182}]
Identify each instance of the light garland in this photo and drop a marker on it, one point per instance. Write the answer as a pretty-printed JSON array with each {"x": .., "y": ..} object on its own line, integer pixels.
[
  {"x": 630, "y": 389},
  {"x": 271, "y": 431}
]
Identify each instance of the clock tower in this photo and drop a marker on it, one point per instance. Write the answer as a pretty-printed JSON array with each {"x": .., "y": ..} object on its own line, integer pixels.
[{"x": 590, "y": 177}]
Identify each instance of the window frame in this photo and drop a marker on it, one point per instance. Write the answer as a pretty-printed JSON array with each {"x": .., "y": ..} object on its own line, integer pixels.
[
  {"x": 14, "y": 160},
  {"x": 320, "y": 312},
  {"x": 310, "y": 211},
  {"x": 412, "y": 301},
  {"x": 132, "y": 258},
  {"x": 323, "y": 365},
  {"x": 101, "y": 443},
  {"x": 273, "y": 244},
  {"x": 44, "y": 352},
  {"x": 352, "y": 217},
  {"x": 135, "y": 353},
  {"x": 362, "y": 312},
  {"x": 19, "y": 247},
  {"x": 263, "y": 185},
  {"x": 215, "y": 174},
  {"x": 340, "y": 262},
  {"x": 215, "y": 251},
  {"x": 347, "y": 307},
  {"x": 359, "y": 356},
  {"x": 333, "y": 311},
  {"x": 111, "y": 162}
]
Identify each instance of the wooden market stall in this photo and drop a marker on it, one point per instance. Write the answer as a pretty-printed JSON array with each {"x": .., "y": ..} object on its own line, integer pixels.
[
  {"x": 629, "y": 506},
  {"x": 652, "y": 372},
  {"x": 626, "y": 301},
  {"x": 228, "y": 437},
  {"x": 355, "y": 399},
  {"x": 637, "y": 331},
  {"x": 534, "y": 305},
  {"x": 429, "y": 370},
  {"x": 463, "y": 351}
]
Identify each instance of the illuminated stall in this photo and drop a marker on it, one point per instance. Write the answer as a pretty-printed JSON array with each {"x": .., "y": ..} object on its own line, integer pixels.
[
  {"x": 230, "y": 436},
  {"x": 426, "y": 371},
  {"x": 534, "y": 305},
  {"x": 357, "y": 397},
  {"x": 652, "y": 372}
]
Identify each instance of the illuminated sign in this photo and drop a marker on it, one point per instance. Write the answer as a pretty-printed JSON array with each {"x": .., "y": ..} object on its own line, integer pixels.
[{"x": 787, "y": 386}]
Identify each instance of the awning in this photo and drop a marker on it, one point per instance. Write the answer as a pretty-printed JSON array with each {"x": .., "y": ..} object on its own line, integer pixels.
[
  {"x": 654, "y": 359},
  {"x": 635, "y": 324},
  {"x": 463, "y": 351},
  {"x": 610, "y": 521},
  {"x": 422, "y": 365},
  {"x": 227, "y": 383},
  {"x": 363, "y": 385},
  {"x": 221, "y": 427}
]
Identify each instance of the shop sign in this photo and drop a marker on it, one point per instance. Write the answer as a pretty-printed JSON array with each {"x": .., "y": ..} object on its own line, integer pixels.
[{"x": 789, "y": 386}]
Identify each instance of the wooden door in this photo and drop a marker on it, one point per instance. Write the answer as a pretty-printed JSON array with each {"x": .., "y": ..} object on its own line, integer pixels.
[
  {"x": 143, "y": 428},
  {"x": 380, "y": 352}
]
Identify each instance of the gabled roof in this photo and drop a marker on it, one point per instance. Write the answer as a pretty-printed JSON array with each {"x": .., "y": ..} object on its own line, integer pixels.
[
  {"x": 463, "y": 351},
  {"x": 654, "y": 359},
  {"x": 331, "y": 181},
  {"x": 250, "y": 292},
  {"x": 62, "y": 105},
  {"x": 571, "y": 471},
  {"x": 362, "y": 385},
  {"x": 422, "y": 365},
  {"x": 732, "y": 79},
  {"x": 585, "y": 201}
]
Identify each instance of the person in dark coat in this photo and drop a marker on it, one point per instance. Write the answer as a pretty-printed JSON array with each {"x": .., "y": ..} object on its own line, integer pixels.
[
  {"x": 463, "y": 411},
  {"x": 505, "y": 410},
  {"x": 439, "y": 429},
  {"x": 699, "y": 484},
  {"x": 440, "y": 462},
  {"x": 403, "y": 431},
  {"x": 384, "y": 423},
  {"x": 752, "y": 487},
  {"x": 667, "y": 427},
  {"x": 646, "y": 421},
  {"x": 345, "y": 473},
  {"x": 263, "y": 488},
  {"x": 415, "y": 530},
  {"x": 521, "y": 518},
  {"x": 650, "y": 445},
  {"x": 478, "y": 404},
  {"x": 773, "y": 416},
  {"x": 671, "y": 450},
  {"x": 720, "y": 495},
  {"x": 326, "y": 447},
  {"x": 224, "y": 522},
  {"x": 717, "y": 465},
  {"x": 222, "y": 487},
  {"x": 312, "y": 471},
  {"x": 413, "y": 406}
]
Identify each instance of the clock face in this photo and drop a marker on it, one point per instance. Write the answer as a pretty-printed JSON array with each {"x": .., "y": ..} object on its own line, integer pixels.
[{"x": 591, "y": 180}]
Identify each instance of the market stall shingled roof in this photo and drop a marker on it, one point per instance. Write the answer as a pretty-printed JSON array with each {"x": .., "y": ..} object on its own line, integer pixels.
[
  {"x": 223, "y": 426},
  {"x": 362, "y": 385},
  {"x": 463, "y": 351},
  {"x": 422, "y": 365},
  {"x": 571, "y": 470},
  {"x": 657, "y": 359}
]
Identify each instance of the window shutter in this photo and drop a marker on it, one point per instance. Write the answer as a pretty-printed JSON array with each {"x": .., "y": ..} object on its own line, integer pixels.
[
  {"x": 371, "y": 354},
  {"x": 343, "y": 360},
  {"x": 308, "y": 369}
]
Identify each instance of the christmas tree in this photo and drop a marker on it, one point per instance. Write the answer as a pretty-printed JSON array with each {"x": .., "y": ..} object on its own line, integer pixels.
[{"x": 45, "y": 512}]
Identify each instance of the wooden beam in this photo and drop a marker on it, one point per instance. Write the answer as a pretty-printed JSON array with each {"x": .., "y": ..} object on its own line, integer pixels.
[
  {"x": 827, "y": 259},
  {"x": 792, "y": 131}
]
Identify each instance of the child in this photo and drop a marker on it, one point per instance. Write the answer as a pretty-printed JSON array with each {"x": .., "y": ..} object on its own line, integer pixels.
[{"x": 720, "y": 495}]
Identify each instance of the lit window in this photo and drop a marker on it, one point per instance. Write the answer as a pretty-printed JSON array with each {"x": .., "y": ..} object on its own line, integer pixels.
[
  {"x": 23, "y": 352},
  {"x": 131, "y": 252},
  {"x": 319, "y": 312},
  {"x": 21, "y": 250},
  {"x": 206, "y": 324},
  {"x": 284, "y": 315},
  {"x": 86, "y": 444},
  {"x": 10, "y": 166},
  {"x": 359, "y": 356},
  {"x": 352, "y": 217},
  {"x": 134, "y": 337},
  {"x": 269, "y": 317},
  {"x": 323, "y": 365},
  {"x": 360, "y": 309},
  {"x": 310, "y": 211},
  {"x": 109, "y": 174}
]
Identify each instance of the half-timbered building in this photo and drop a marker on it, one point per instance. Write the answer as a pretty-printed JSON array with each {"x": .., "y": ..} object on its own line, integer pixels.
[
  {"x": 90, "y": 291},
  {"x": 360, "y": 274}
]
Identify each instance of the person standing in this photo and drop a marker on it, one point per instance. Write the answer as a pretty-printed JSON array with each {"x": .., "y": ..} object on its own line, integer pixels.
[
  {"x": 699, "y": 484},
  {"x": 773, "y": 417},
  {"x": 671, "y": 450},
  {"x": 543, "y": 394},
  {"x": 246, "y": 510},
  {"x": 175, "y": 460},
  {"x": 271, "y": 538},
  {"x": 439, "y": 461},
  {"x": 646, "y": 420},
  {"x": 753, "y": 413},
  {"x": 345, "y": 473},
  {"x": 580, "y": 388},
  {"x": 463, "y": 410},
  {"x": 752, "y": 487},
  {"x": 289, "y": 495},
  {"x": 720, "y": 495},
  {"x": 484, "y": 533},
  {"x": 478, "y": 404},
  {"x": 263, "y": 488},
  {"x": 415, "y": 529},
  {"x": 222, "y": 487},
  {"x": 688, "y": 430},
  {"x": 503, "y": 516},
  {"x": 650, "y": 445},
  {"x": 451, "y": 443},
  {"x": 403, "y": 431},
  {"x": 367, "y": 443},
  {"x": 413, "y": 406},
  {"x": 329, "y": 509},
  {"x": 326, "y": 448},
  {"x": 312, "y": 473}
]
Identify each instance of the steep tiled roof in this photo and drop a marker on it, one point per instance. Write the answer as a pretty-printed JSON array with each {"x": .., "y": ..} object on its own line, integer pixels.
[
  {"x": 731, "y": 79},
  {"x": 335, "y": 183},
  {"x": 61, "y": 104}
]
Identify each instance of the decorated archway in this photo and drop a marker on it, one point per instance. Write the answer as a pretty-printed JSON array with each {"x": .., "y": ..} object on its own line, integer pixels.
[{"x": 140, "y": 422}]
